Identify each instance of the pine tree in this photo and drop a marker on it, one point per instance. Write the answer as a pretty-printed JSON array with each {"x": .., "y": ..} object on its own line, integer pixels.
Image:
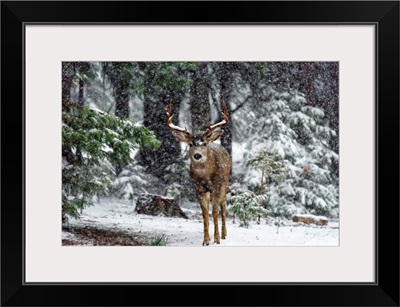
[
  {"x": 245, "y": 205},
  {"x": 293, "y": 130},
  {"x": 92, "y": 143},
  {"x": 272, "y": 168}
]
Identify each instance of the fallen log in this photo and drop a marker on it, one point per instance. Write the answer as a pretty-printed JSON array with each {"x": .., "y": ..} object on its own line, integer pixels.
[
  {"x": 153, "y": 204},
  {"x": 311, "y": 219}
]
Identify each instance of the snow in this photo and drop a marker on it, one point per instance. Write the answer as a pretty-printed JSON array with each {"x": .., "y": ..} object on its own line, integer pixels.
[
  {"x": 106, "y": 148},
  {"x": 172, "y": 126},
  {"x": 119, "y": 214},
  {"x": 223, "y": 122},
  {"x": 238, "y": 168},
  {"x": 149, "y": 195}
]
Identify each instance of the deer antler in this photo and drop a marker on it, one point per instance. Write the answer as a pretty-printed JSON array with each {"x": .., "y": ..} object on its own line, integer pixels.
[
  {"x": 170, "y": 125},
  {"x": 222, "y": 123}
]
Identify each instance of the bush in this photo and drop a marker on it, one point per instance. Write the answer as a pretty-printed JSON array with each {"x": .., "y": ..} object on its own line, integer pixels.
[{"x": 245, "y": 205}]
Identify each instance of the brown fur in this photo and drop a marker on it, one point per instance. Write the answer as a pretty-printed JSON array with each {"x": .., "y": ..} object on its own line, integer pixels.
[{"x": 211, "y": 181}]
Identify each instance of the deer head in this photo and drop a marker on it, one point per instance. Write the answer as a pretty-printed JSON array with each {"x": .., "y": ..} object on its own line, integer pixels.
[
  {"x": 209, "y": 169},
  {"x": 198, "y": 145}
]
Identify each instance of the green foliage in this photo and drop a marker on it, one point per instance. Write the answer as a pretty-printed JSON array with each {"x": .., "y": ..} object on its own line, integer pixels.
[
  {"x": 272, "y": 168},
  {"x": 160, "y": 240},
  {"x": 131, "y": 181},
  {"x": 92, "y": 143},
  {"x": 278, "y": 223},
  {"x": 84, "y": 72},
  {"x": 80, "y": 77},
  {"x": 246, "y": 205},
  {"x": 271, "y": 165},
  {"x": 123, "y": 76},
  {"x": 133, "y": 77},
  {"x": 260, "y": 69},
  {"x": 168, "y": 76}
]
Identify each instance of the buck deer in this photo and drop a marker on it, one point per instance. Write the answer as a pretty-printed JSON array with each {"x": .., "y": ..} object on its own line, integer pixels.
[{"x": 210, "y": 167}]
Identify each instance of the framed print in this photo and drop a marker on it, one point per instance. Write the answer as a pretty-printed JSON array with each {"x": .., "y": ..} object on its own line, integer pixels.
[{"x": 255, "y": 150}]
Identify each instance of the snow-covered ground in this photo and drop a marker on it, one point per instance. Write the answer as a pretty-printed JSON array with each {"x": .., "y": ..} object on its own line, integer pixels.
[{"x": 119, "y": 215}]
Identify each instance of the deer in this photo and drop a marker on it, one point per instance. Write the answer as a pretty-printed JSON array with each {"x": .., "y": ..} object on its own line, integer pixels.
[{"x": 210, "y": 168}]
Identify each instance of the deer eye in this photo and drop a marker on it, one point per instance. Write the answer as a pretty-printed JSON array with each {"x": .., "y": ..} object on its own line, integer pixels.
[{"x": 204, "y": 144}]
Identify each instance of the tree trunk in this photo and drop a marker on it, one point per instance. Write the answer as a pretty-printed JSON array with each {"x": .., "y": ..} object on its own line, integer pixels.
[
  {"x": 307, "y": 81},
  {"x": 84, "y": 69},
  {"x": 156, "y": 161},
  {"x": 68, "y": 74},
  {"x": 262, "y": 183},
  {"x": 334, "y": 102},
  {"x": 153, "y": 204},
  {"x": 225, "y": 79},
  {"x": 261, "y": 193},
  {"x": 80, "y": 94},
  {"x": 122, "y": 102},
  {"x": 329, "y": 100},
  {"x": 200, "y": 104},
  {"x": 334, "y": 73},
  {"x": 121, "y": 92},
  {"x": 311, "y": 219}
]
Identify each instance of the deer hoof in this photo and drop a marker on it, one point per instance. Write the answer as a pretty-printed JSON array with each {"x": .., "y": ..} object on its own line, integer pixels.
[
  {"x": 204, "y": 243},
  {"x": 218, "y": 242},
  {"x": 223, "y": 237}
]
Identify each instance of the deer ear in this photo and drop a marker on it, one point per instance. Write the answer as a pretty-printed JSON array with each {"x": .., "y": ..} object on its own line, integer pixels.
[
  {"x": 181, "y": 136},
  {"x": 214, "y": 135}
]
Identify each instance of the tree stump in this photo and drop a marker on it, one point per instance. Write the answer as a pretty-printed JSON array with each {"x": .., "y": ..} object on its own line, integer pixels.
[
  {"x": 311, "y": 219},
  {"x": 153, "y": 204}
]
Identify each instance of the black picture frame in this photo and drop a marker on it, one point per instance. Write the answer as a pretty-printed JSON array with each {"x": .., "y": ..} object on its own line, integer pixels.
[{"x": 383, "y": 14}]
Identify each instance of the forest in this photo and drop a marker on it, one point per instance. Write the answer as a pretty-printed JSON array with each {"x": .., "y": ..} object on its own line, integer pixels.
[{"x": 282, "y": 136}]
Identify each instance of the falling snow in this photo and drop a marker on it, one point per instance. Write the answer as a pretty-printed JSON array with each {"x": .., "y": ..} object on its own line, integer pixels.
[{"x": 287, "y": 109}]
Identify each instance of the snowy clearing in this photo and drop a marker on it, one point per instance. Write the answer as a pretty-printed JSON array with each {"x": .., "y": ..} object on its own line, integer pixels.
[{"x": 119, "y": 215}]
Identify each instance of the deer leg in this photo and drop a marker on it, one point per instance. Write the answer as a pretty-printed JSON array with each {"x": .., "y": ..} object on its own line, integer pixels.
[
  {"x": 215, "y": 206},
  {"x": 223, "y": 217},
  {"x": 204, "y": 200}
]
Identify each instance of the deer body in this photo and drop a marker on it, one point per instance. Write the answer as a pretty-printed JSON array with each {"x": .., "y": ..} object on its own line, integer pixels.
[
  {"x": 211, "y": 182},
  {"x": 210, "y": 167}
]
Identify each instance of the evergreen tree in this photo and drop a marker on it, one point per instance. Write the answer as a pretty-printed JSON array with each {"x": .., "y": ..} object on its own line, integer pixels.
[
  {"x": 272, "y": 168},
  {"x": 245, "y": 205},
  {"x": 84, "y": 73},
  {"x": 92, "y": 143},
  {"x": 291, "y": 129},
  {"x": 125, "y": 81}
]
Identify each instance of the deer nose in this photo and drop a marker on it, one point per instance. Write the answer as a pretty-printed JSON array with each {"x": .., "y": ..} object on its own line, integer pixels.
[{"x": 197, "y": 156}]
